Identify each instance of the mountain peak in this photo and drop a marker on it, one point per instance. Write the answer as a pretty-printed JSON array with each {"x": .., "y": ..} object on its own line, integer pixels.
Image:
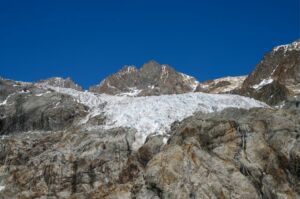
[
  {"x": 151, "y": 79},
  {"x": 277, "y": 73},
  {"x": 151, "y": 64}
]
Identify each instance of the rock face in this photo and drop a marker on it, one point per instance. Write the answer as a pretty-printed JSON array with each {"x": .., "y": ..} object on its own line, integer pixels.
[
  {"x": 221, "y": 85},
  {"x": 27, "y": 113},
  {"x": 8, "y": 87},
  {"x": 27, "y": 107},
  {"x": 232, "y": 154},
  {"x": 72, "y": 164},
  {"x": 279, "y": 71},
  {"x": 151, "y": 79}
]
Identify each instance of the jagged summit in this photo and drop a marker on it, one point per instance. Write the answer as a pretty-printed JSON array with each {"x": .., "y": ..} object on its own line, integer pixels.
[{"x": 151, "y": 79}]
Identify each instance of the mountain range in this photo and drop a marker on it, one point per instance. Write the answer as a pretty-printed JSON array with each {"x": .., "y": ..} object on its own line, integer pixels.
[{"x": 153, "y": 132}]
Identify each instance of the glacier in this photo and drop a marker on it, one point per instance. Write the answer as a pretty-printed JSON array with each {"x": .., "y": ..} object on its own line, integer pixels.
[{"x": 153, "y": 114}]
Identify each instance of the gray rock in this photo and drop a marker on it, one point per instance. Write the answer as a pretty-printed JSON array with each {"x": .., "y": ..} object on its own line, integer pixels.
[
  {"x": 46, "y": 111},
  {"x": 61, "y": 164},
  {"x": 253, "y": 151}
]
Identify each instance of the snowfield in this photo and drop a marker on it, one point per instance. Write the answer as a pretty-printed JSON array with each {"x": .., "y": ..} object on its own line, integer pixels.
[{"x": 154, "y": 114}]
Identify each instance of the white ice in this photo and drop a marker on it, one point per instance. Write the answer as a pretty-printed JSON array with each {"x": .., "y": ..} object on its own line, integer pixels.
[{"x": 154, "y": 114}]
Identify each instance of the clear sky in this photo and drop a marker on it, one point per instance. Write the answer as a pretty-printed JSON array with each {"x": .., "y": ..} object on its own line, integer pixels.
[{"x": 90, "y": 39}]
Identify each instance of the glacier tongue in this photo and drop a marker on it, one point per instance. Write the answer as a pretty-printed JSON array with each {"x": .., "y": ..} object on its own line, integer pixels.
[{"x": 154, "y": 114}]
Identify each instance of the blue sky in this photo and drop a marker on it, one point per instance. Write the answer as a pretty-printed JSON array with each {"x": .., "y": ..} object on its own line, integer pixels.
[{"x": 90, "y": 39}]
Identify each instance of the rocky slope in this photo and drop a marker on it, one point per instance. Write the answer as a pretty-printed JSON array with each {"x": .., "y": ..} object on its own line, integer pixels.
[
  {"x": 60, "y": 142},
  {"x": 221, "y": 85},
  {"x": 151, "y": 79}
]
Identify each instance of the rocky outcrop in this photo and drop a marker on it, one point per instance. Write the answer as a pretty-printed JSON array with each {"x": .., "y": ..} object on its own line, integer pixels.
[
  {"x": 273, "y": 93},
  {"x": 60, "y": 82},
  {"x": 221, "y": 85},
  {"x": 151, "y": 79}
]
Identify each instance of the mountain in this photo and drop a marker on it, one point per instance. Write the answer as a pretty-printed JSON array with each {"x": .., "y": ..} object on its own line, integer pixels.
[
  {"x": 151, "y": 79},
  {"x": 154, "y": 133},
  {"x": 277, "y": 76}
]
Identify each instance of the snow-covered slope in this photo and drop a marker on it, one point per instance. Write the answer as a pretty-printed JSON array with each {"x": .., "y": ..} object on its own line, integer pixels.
[{"x": 154, "y": 114}]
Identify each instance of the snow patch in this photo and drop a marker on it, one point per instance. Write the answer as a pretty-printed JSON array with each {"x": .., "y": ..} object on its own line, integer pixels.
[
  {"x": 274, "y": 70},
  {"x": 20, "y": 92},
  {"x": 126, "y": 70},
  {"x": 133, "y": 91},
  {"x": 165, "y": 140},
  {"x": 165, "y": 73},
  {"x": 131, "y": 69},
  {"x": 262, "y": 83},
  {"x": 4, "y": 102},
  {"x": 2, "y": 188},
  {"x": 288, "y": 47}
]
